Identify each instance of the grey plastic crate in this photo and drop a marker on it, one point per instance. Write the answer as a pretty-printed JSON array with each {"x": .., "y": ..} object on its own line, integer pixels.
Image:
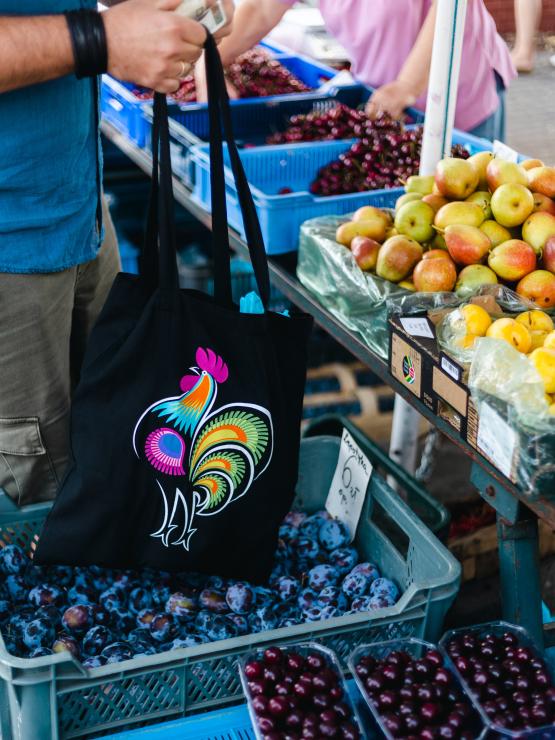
[{"x": 55, "y": 697}]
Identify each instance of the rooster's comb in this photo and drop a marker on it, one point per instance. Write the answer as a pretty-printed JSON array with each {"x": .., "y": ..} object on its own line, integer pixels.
[{"x": 209, "y": 361}]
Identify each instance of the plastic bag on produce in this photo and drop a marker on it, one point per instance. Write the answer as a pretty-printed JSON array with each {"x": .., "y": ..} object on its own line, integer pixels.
[
  {"x": 329, "y": 271},
  {"x": 498, "y": 371},
  {"x": 443, "y": 310}
]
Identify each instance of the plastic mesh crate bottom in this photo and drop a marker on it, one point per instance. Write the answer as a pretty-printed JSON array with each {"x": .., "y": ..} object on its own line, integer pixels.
[{"x": 227, "y": 724}]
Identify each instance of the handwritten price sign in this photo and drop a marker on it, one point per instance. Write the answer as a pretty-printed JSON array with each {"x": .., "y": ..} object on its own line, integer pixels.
[{"x": 349, "y": 484}]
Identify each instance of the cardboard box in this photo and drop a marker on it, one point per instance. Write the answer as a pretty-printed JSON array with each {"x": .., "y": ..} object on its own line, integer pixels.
[{"x": 437, "y": 380}]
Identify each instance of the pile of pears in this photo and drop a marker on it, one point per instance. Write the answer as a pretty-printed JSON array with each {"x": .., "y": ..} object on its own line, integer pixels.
[{"x": 475, "y": 222}]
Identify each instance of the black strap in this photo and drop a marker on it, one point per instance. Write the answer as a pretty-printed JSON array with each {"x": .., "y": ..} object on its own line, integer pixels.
[
  {"x": 160, "y": 241},
  {"x": 218, "y": 104}
]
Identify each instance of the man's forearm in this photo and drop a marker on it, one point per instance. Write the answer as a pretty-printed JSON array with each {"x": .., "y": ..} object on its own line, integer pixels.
[
  {"x": 33, "y": 49},
  {"x": 253, "y": 20}
]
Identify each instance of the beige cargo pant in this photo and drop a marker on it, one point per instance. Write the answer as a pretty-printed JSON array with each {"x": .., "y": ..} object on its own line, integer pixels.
[{"x": 45, "y": 320}]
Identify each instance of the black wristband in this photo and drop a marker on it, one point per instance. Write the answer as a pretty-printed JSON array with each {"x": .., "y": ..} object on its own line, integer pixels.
[{"x": 88, "y": 41}]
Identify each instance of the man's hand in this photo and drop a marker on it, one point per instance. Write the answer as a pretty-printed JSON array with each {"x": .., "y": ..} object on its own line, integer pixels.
[
  {"x": 392, "y": 98},
  {"x": 150, "y": 45}
]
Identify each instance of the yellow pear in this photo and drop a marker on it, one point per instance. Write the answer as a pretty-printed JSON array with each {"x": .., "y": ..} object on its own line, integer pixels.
[
  {"x": 480, "y": 163},
  {"x": 496, "y": 233},
  {"x": 459, "y": 212}
]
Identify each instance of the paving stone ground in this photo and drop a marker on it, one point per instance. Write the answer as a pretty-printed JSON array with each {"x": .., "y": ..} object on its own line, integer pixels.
[{"x": 531, "y": 111}]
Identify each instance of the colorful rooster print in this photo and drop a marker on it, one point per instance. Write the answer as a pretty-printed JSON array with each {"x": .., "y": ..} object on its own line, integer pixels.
[{"x": 203, "y": 458}]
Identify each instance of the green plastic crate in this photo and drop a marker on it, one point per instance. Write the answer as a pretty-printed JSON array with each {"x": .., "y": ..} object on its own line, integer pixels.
[
  {"x": 425, "y": 506},
  {"x": 54, "y": 697}
]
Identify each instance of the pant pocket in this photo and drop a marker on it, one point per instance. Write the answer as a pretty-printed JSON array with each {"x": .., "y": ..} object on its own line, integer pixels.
[{"x": 26, "y": 470}]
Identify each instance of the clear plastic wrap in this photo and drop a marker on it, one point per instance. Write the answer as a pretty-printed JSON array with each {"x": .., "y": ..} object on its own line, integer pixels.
[
  {"x": 506, "y": 379},
  {"x": 329, "y": 271}
]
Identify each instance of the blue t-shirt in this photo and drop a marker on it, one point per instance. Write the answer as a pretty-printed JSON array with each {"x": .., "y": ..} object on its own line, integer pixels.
[{"x": 48, "y": 166}]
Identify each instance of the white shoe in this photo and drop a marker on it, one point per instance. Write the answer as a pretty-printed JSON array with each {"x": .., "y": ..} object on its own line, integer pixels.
[{"x": 552, "y": 60}]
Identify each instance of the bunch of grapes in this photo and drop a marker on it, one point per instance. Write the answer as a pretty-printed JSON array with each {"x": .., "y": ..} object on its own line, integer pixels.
[
  {"x": 255, "y": 74},
  {"x": 385, "y": 156}
]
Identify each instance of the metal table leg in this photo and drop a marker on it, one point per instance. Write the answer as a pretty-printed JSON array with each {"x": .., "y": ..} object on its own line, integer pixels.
[{"x": 519, "y": 568}]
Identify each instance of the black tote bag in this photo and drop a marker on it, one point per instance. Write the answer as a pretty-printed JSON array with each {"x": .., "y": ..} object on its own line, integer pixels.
[{"x": 185, "y": 424}]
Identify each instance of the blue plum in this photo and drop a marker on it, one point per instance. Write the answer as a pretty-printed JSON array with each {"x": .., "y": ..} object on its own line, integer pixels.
[
  {"x": 344, "y": 559},
  {"x": 311, "y": 526},
  {"x": 66, "y": 644},
  {"x": 202, "y": 621},
  {"x": 333, "y": 596},
  {"x": 38, "y": 633},
  {"x": 46, "y": 594},
  {"x": 94, "y": 661},
  {"x": 295, "y": 518},
  {"x": 77, "y": 619},
  {"x": 139, "y": 599},
  {"x": 212, "y": 600},
  {"x": 62, "y": 575},
  {"x": 51, "y": 613},
  {"x": 321, "y": 576},
  {"x": 356, "y": 584},
  {"x": 368, "y": 569},
  {"x": 288, "y": 532},
  {"x": 117, "y": 651},
  {"x": 263, "y": 619},
  {"x": 182, "y": 606},
  {"x": 12, "y": 560},
  {"x": 82, "y": 594},
  {"x": 240, "y": 598},
  {"x": 144, "y": 618},
  {"x": 163, "y": 627},
  {"x": 385, "y": 588},
  {"x": 306, "y": 549},
  {"x": 96, "y": 639},
  {"x": 221, "y": 628},
  {"x": 307, "y": 598},
  {"x": 333, "y": 534},
  {"x": 5, "y": 609},
  {"x": 17, "y": 587},
  {"x": 241, "y": 623},
  {"x": 112, "y": 598},
  {"x": 380, "y": 601},
  {"x": 287, "y": 587},
  {"x": 360, "y": 604}
]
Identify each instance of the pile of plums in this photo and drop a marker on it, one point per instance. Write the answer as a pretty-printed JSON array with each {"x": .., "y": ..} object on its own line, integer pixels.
[
  {"x": 418, "y": 698},
  {"x": 255, "y": 74},
  {"x": 299, "y": 696},
  {"x": 103, "y": 616},
  {"x": 385, "y": 156},
  {"x": 510, "y": 681}
]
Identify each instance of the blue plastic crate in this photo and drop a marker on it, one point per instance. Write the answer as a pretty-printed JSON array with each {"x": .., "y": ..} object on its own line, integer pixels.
[
  {"x": 271, "y": 168},
  {"x": 125, "y": 111},
  {"x": 253, "y": 120}
]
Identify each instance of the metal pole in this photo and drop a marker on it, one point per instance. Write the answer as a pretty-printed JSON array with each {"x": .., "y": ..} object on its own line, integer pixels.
[{"x": 436, "y": 144}]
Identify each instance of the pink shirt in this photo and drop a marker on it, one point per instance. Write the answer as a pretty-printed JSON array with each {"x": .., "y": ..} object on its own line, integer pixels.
[{"x": 379, "y": 35}]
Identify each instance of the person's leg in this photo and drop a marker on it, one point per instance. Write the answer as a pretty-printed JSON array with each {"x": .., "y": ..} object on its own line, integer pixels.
[
  {"x": 527, "y": 21},
  {"x": 35, "y": 328},
  {"x": 93, "y": 283}
]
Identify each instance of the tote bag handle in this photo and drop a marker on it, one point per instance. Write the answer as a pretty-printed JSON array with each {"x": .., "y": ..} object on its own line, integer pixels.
[{"x": 158, "y": 264}]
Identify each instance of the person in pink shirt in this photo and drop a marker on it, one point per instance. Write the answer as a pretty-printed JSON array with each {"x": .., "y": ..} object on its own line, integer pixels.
[{"x": 390, "y": 45}]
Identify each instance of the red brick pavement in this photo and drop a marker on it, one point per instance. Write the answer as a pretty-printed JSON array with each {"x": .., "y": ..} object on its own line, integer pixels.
[{"x": 503, "y": 12}]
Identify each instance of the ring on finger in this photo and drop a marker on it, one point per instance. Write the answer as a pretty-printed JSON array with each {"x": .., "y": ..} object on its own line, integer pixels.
[{"x": 185, "y": 69}]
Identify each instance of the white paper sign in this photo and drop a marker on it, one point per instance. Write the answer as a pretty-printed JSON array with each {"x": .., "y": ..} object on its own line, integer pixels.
[
  {"x": 505, "y": 152},
  {"x": 496, "y": 439},
  {"x": 349, "y": 484},
  {"x": 341, "y": 79},
  {"x": 417, "y": 326}
]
